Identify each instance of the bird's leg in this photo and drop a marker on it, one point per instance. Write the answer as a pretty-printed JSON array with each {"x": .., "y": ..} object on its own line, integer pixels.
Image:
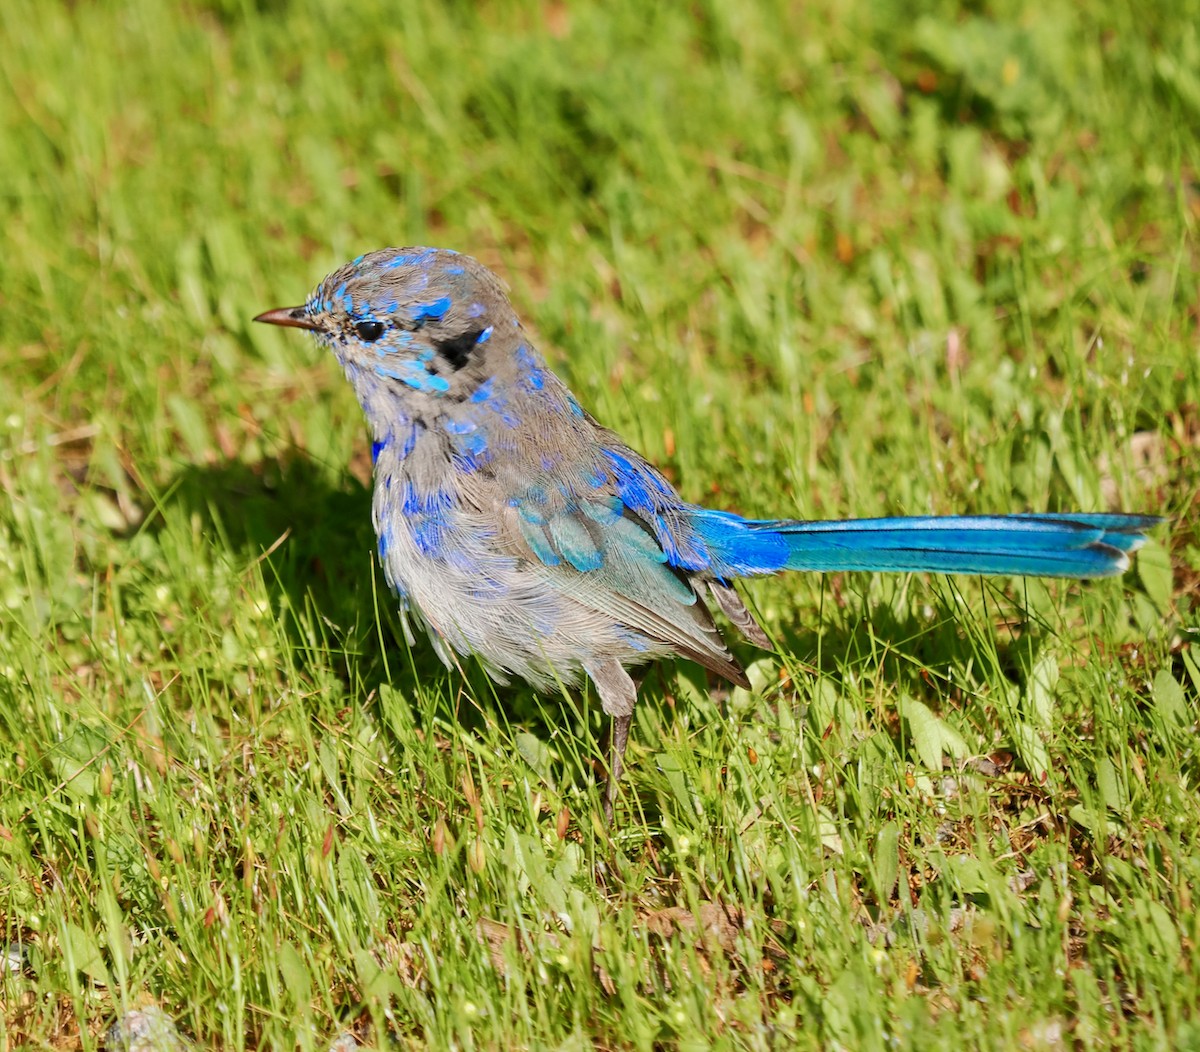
[
  {"x": 618, "y": 738},
  {"x": 617, "y": 693}
]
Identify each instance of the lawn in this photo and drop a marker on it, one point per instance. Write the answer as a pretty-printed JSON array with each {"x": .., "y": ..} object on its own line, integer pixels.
[{"x": 834, "y": 259}]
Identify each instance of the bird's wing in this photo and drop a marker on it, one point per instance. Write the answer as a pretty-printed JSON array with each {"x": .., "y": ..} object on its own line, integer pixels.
[{"x": 580, "y": 534}]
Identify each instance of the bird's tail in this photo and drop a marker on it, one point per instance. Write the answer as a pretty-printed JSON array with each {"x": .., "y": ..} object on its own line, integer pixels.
[{"x": 1025, "y": 545}]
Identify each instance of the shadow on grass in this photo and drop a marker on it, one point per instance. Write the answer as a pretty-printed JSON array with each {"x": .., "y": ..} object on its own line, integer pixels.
[
  {"x": 317, "y": 536},
  {"x": 314, "y": 532}
]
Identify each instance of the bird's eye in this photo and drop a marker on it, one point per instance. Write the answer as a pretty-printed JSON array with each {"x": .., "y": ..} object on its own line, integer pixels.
[{"x": 369, "y": 331}]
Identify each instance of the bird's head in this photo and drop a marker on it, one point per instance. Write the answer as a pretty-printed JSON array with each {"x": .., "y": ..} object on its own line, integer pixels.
[{"x": 416, "y": 319}]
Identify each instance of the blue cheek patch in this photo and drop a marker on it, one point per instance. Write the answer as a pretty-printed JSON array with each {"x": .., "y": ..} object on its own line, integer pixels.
[
  {"x": 414, "y": 375},
  {"x": 436, "y": 384}
]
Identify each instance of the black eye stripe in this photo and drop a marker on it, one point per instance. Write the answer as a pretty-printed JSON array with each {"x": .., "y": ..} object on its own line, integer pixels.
[
  {"x": 369, "y": 330},
  {"x": 457, "y": 350}
]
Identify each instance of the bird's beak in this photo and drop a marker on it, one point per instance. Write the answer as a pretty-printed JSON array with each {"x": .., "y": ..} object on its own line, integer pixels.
[{"x": 295, "y": 317}]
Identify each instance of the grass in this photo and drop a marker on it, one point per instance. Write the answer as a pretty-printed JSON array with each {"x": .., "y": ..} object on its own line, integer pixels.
[{"x": 830, "y": 259}]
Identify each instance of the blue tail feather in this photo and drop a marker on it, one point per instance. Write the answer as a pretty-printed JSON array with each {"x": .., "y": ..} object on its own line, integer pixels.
[{"x": 1070, "y": 545}]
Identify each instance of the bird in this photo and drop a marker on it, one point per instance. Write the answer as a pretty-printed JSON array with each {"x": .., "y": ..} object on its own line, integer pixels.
[{"x": 516, "y": 529}]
